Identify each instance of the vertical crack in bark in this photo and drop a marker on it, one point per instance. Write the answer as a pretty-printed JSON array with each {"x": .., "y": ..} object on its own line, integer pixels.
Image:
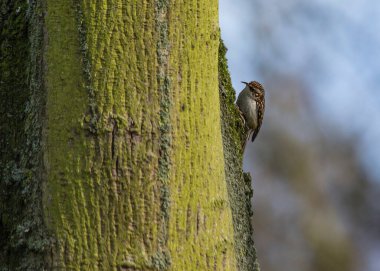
[
  {"x": 113, "y": 139},
  {"x": 198, "y": 219},
  {"x": 162, "y": 260},
  {"x": 91, "y": 120}
]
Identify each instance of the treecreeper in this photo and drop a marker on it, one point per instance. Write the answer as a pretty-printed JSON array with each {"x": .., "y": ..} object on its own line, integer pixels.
[{"x": 251, "y": 104}]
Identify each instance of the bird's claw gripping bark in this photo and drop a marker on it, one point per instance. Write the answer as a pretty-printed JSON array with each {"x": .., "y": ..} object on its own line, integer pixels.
[{"x": 241, "y": 115}]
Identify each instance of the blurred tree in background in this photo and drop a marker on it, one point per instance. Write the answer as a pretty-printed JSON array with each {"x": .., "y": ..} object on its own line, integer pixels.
[
  {"x": 314, "y": 202},
  {"x": 316, "y": 188}
]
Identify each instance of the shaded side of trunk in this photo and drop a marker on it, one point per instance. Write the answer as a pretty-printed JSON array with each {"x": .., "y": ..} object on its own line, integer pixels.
[
  {"x": 238, "y": 183},
  {"x": 24, "y": 239}
]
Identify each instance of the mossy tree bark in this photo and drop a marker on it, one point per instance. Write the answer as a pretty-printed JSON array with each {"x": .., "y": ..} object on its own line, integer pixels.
[
  {"x": 111, "y": 146},
  {"x": 239, "y": 184}
]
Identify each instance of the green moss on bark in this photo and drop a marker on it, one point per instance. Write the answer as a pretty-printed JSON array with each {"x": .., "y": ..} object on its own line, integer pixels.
[
  {"x": 238, "y": 183},
  {"x": 118, "y": 148},
  {"x": 201, "y": 232},
  {"x": 117, "y": 132}
]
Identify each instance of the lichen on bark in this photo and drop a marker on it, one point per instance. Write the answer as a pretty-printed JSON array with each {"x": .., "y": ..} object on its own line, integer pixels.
[
  {"x": 115, "y": 157},
  {"x": 134, "y": 109}
]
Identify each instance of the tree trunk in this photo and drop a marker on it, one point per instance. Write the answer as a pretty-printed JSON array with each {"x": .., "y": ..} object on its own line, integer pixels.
[
  {"x": 112, "y": 155},
  {"x": 239, "y": 184}
]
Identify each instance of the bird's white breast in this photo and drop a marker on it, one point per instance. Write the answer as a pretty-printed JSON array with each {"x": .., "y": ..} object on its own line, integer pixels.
[
  {"x": 247, "y": 106},
  {"x": 252, "y": 118}
]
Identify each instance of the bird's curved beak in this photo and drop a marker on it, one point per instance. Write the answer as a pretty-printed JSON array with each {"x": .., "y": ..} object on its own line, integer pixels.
[{"x": 244, "y": 82}]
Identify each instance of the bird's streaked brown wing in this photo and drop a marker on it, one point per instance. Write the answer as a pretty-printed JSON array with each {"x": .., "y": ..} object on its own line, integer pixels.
[{"x": 260, "y": 116}]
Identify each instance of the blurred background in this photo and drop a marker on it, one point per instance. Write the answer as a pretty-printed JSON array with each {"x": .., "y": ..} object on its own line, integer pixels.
[{"x": 315, "y": 163}]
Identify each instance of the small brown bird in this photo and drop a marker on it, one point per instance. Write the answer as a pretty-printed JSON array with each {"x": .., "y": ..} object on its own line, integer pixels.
[{"x": 251, "y": 103}]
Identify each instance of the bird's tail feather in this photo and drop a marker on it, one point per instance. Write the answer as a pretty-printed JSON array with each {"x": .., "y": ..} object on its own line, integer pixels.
[{"x": 254, "y": 134}]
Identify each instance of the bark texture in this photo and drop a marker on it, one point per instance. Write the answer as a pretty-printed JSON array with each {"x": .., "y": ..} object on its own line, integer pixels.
[
  {"x": 24, "y": 240},
  {"x": 111, "y": 148},
  {"x": 239, "y": 184}
]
